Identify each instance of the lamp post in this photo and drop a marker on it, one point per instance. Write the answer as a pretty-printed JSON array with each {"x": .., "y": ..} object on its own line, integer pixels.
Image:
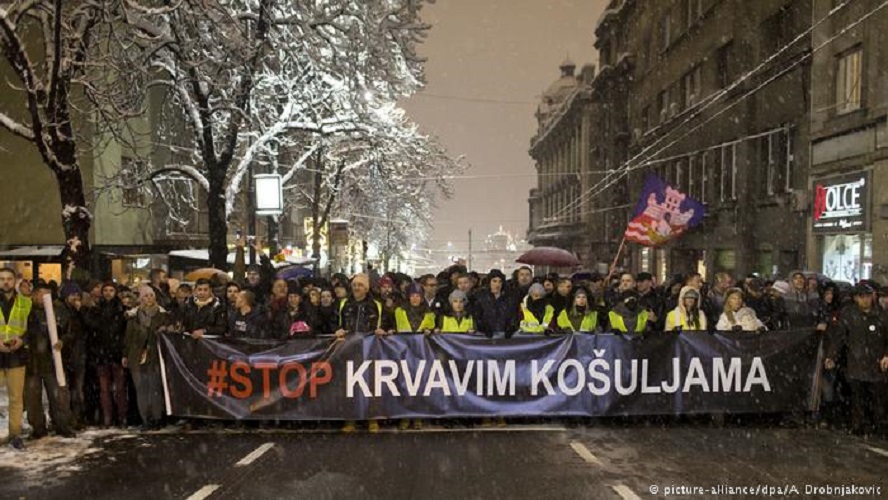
[{"x": 270, "y": 202}]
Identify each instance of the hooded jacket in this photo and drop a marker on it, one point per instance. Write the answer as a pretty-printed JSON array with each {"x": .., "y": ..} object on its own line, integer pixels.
[
  {"x": 680, "y": 318},
  {"x": 250, "y": 326}
]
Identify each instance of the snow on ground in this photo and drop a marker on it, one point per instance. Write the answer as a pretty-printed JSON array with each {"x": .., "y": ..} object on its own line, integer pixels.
[{"x": 61, "y": 456}]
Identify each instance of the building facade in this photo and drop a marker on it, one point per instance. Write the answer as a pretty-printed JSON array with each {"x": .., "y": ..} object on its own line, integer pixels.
[
  {"x": 848, "y": 218},
  {"x": 562, "y": 153},
  {"x": 713, "y": 96}
]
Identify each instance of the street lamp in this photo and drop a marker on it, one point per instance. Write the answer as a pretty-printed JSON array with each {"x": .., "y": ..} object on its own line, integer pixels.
[{"x": 270, "y": 202}]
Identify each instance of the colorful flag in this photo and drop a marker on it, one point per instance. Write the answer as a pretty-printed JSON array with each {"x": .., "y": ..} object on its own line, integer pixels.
[{"x": 662, "y": 214}]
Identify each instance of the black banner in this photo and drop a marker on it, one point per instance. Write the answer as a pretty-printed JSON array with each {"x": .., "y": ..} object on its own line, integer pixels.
[{"x": 460, "y": 375}]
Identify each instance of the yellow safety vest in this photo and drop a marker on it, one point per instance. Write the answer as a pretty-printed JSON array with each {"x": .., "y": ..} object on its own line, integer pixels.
[
  {"x": 17, "y": 323},
  {"x": 617, "y": 323},
  {"x": 675, "y": 318},
  {"x": 589, "y": 323},
  {"x": 402, "y": 324},
  {"x": 450, "y": 324},
  {"x": 530, "y": 323},
  {"x": 378, "y": 308}
]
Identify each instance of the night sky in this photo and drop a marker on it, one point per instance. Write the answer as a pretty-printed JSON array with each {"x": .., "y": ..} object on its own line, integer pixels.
[{"x": 488, "y": 63}]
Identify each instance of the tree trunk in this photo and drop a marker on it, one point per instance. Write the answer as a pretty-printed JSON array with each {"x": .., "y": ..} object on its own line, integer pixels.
[
  {"x": 76, "y": 219},
  {"x": 218, "y": 222},
  {"x": 315, "y": 218}
]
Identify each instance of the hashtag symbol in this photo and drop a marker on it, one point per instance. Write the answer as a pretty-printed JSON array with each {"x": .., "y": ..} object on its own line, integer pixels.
[{"x": 218, "y": 375}]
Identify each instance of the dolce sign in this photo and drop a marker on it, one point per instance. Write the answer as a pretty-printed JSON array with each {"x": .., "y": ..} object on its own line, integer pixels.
[{"x": 839, "y": 205}]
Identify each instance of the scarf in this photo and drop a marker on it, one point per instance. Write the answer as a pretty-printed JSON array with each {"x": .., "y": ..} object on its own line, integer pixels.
[{"x": 146, "y": 314}]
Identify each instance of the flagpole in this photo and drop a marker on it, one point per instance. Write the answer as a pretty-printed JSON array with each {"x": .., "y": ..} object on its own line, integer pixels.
[{"x": 613, "y": 266}]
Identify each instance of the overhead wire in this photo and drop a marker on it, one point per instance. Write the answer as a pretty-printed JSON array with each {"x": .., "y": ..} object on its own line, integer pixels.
[{"x": 710, "y": 101}]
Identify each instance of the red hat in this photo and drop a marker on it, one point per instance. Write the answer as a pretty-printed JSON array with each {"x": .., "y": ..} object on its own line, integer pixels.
[{"x": 386, "y": 280}]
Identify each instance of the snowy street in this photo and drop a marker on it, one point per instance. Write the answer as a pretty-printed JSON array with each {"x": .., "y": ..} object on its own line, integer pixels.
[{"x": 607, "y": 460}]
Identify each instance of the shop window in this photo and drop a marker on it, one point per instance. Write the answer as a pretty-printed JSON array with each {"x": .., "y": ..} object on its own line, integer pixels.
[
  {"x": 847, "y": 257},
  {"x": 848, "y": 80}
]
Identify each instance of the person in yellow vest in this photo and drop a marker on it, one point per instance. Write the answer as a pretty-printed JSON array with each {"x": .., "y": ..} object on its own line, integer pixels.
[
  {"x": 580, "y": 316},
  {"x": 536, "y": 312},
  {"x": 687, "y": 315},
  {"x": 14, "y": 312},
  {"x": 627, "y": 316},
  {"x": 458, "y": 320},
  {"x": 415, "y": 316}
]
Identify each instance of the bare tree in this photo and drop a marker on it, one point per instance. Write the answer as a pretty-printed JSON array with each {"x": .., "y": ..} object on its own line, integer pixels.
[{"x": 247, "y": 73}]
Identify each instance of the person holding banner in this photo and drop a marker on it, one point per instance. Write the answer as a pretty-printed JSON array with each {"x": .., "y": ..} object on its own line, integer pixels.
[
  {"x": 360, "y": 313},
  {"x": 415, "y": 316},
  {"x": 627, "y": 316},
  {"x": 204, "y": 314},
  {"x": 41, "y": 371},
  {"x": 140, "y": 355},
  {"x": 457, "y": 320},
  {"x": 736, "y": 315},
  {"x": 536, "y": 313},
  {"x": 496, "y": 310},
  {"x": 688, "y": 315},
  {"x": 580, "y": 316}
]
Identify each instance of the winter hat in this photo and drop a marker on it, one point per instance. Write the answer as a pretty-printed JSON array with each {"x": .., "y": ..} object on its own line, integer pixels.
[
  {"x": 386, "y": 280},
  {"x": 146, "y": 291},
  {"x": 68, "y": 289},
  {"x": 690, "y": 294},
  {"x": 496, "y": 273},
  {"x": 414, "y": 289},
  {"x": 361, "y": 278},
  {"x": 458, "y": 296},
  {"x": 781, "y": 287},
  {"x": 862, "y": 289},
  {"x": 109, "y": 283},
  {"x": 293, "y": 288},
  {"x": 536, "y": 289}
]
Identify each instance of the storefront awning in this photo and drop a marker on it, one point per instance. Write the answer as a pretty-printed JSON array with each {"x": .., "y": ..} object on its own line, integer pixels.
[{"x": 32, "y": 252}]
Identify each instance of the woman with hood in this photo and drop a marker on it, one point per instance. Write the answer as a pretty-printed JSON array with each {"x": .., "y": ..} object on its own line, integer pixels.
[
  {"x": 326, "y": 315},
  {"x": 829, "y": 306},
  {"x": 414, "y": 316},
  {"x": 141, "y": 357},
  {"x": 737, "y": 316},
  {"x": 536, "y": 313},
  {"x": 687, "y": 315},
  {"x": 580, "y": 316}
]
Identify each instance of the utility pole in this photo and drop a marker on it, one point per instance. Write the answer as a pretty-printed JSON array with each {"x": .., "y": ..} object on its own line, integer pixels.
[{"x": 469, "y": 263}]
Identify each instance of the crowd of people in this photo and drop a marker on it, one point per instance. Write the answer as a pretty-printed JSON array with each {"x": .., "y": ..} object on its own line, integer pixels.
[{"x": 108, "y": 333}]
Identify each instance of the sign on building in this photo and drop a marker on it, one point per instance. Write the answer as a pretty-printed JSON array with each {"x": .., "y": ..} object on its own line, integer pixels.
[{"x": 840, "y": 204}]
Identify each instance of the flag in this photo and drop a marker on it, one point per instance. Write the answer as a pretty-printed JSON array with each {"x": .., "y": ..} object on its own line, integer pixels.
[{"x": 663, "y": 213}]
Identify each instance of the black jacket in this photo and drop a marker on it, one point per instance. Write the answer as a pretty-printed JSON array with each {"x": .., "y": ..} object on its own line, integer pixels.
[
  {"x": 865, "y": 338},
  {"x": 106, "y": 325},
  {"x": 253, "y": 325},
  {"x": 210, "y": 317},
  {"x": 280, "y": 323},
  {"x": 496, "y": 314},
  {"x": 363, "y": 316}
]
